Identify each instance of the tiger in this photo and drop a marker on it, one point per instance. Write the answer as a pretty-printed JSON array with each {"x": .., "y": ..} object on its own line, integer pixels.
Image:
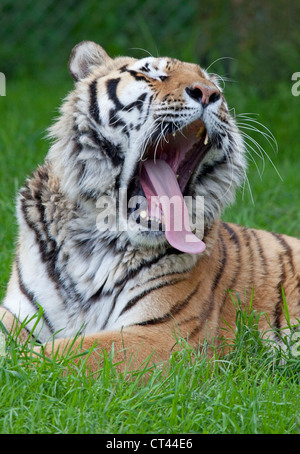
[{"x": 121, "y": 247}]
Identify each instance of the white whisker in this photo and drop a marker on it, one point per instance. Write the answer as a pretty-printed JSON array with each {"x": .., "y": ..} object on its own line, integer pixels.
[
  {"x": 218, "y": 59},
  {"x": 267, "y": 133},
  {"x": 256, "y": 148},
  {"x": 141, "y": 49}
]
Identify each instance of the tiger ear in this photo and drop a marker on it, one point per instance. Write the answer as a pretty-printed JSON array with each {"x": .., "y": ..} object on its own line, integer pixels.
[{"x": 84, "y": 57}]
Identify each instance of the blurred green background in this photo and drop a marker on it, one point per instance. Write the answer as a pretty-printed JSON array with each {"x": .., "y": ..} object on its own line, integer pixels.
[
  {"x": 254, "y": 45},
  {"x": 261, "y": 39}
]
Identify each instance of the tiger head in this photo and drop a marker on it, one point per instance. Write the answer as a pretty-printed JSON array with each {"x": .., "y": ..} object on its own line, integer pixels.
[{"x": 155, "y": 131}]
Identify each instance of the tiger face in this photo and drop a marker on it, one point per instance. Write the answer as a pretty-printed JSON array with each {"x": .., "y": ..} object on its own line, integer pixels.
[{"x": 157, "y": 130}]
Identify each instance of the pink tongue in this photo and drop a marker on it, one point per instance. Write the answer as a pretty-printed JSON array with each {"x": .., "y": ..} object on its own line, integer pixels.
[{"x": 159, "y": 181}]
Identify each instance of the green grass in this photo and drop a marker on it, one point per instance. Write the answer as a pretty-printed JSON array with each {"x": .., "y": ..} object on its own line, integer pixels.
[{"x": 247, "y": 391}]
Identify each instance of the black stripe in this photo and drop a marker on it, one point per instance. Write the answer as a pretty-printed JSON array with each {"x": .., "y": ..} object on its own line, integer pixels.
[
  {"x": 278, "y": 311},
  {"x": 233, "y": 237},
  {"x": 287, "y": 249},
  {"x": 174, "y": 311},
  {"x": 149, "y": 106},
  {"x": 144, "y": 264},
  {"x": 146, "y": 292},
  {"x": 210, "y": 304},
  {"x": 94, "y": 106},
  {"x": 260, "y": 252},
  {"x": 208, "y": 169},
  {"x": 223, "y": 118},
  {"x": 138, "y": 76},
  {"x": 188, "y": 320},
  {"x": 95, "y": 297},
  {"x": 115, "y": 121},
  {"x": 237, "y": 261},
  {"x": 138, "y": 103},
  {"x": 232, "y": 233},
  {"x": 145, "y": 68},
  {"x": 76, "y": 149},
  {"x": 156, "y": 278},
  {"x": 32, "y": 335},
  {"x": 279, "y": 305},
  {"x": 288, "y": 253},
  {"x": 32, "y": 200},
  {"x": 112, "y": 308},
  {"x": 194, "y": 332},
  {"x": 111, "y": 150},
  {"x": 222, "y": 265},
  {"x": 31, "y": 298},
  {"x": 111, "y": 86},
  {"x": 217, "y": 139},
  {"x": 26, "y": 292},
  {"x": 247, "y": 238},
  {"x": 130, "y": 274},
  {"x": 47, "y": 247}
]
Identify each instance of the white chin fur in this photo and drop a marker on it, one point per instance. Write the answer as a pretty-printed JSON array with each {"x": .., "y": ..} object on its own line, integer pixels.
[{"x": 155, "y": 240}]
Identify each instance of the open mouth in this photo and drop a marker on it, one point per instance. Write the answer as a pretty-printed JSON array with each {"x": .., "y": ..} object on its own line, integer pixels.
[
  {"x": 164, "y": 176},
  {"x": 181, "y": 150}
]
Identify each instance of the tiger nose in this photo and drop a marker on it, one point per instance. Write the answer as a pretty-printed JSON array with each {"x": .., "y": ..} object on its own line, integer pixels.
[{"x": 203, "y": 94}]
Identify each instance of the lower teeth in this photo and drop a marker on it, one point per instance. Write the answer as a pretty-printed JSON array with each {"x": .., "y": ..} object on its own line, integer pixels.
[{"x": 144, "y": 217}]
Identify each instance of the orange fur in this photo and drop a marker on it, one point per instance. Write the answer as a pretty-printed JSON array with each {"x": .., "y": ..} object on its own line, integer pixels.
[
  {"x": 201, "y": 307},
  {"x": 122, "y": 113}
]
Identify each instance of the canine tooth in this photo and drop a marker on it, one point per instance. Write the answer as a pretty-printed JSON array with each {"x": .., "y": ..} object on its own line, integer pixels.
[
  {"x": 206, "y": 139},
  {"x": 143, "y": 214},
  {"x": 201, "y": 131},
  {"x": 174, "y": 134}
]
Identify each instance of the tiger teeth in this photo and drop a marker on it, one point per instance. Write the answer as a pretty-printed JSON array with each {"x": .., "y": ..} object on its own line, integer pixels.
[
  {"x": 201, "y": 131},
  {"x": 174, "y": 134},
  {"x": 206, "y": 139},
  {"x": 144, "y": 216},
  {"x": 154, "y": 220}
]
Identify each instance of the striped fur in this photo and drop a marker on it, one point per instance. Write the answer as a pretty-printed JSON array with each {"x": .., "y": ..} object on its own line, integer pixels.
[{"x": 129, "y": 287}]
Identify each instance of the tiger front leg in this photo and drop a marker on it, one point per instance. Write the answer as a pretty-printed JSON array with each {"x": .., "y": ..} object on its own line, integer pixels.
[{"x": 132, "y": 348}]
